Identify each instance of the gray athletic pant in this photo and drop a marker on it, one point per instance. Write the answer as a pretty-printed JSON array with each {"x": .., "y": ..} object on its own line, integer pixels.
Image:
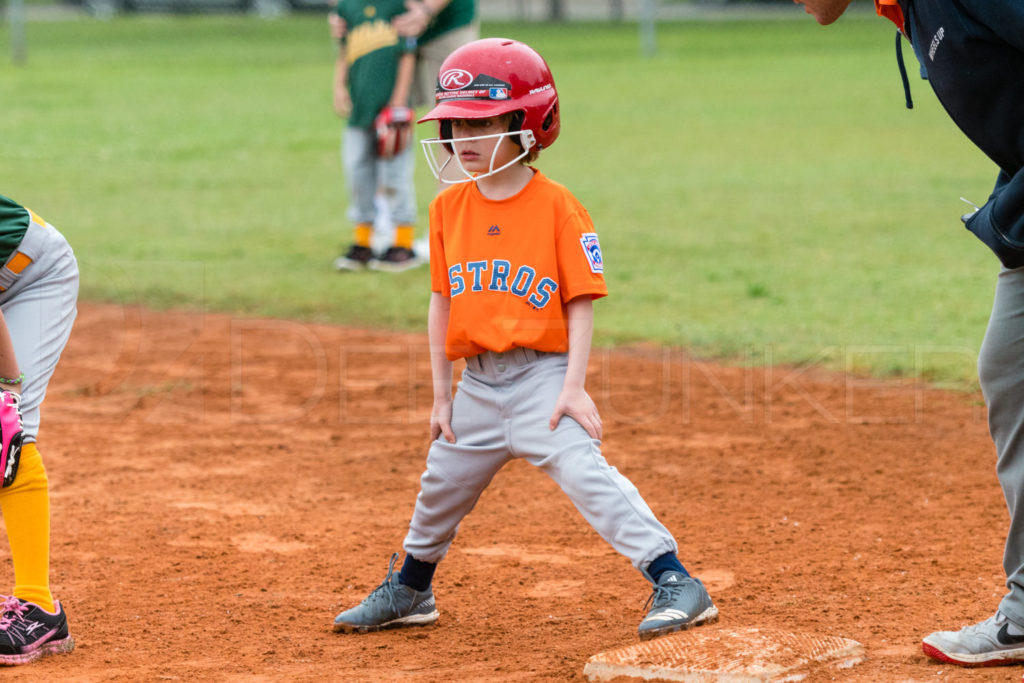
[
  {"x": 367, "y": 174},
  {"x": 1001, "y": 372},
  {"x": 39, "y": 305},
  {"x": 501, "y": 411}
]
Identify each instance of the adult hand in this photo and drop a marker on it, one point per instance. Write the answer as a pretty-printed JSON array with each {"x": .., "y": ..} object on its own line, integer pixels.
[{"x": 414, "y": 21}]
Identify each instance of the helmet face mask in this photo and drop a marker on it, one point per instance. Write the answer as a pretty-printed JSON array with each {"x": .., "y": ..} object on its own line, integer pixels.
[
  {"x": 490, "y": 78},
  {"x": 441, "y": 155}
]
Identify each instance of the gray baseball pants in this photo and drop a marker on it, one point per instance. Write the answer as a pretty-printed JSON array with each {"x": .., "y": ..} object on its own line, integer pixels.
[
  {"x": 367, "y": 174},
  {"x": 501, "y": 411},
  {"x": 1001, "y": 372},
  {"x": 39, "y": 305}
]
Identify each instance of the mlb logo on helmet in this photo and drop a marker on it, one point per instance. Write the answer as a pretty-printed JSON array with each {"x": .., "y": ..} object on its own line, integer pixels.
[{"x": 498, "y": 93}]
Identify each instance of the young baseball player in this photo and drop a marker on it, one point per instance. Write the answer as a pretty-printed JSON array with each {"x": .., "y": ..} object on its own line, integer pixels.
[
  {"x": 515, "y": 266},
  {"x": 38, "y": 293},
  {"x": 373, "y": 77}
]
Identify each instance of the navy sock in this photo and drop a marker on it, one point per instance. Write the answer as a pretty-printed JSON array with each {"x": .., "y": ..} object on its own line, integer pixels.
[
  {"x": 664, "y": 563},
  {"x": 416, "y": 574}
]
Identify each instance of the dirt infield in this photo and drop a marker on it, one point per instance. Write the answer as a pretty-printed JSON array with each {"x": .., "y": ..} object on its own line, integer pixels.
[{"x": 222, "y": 487}]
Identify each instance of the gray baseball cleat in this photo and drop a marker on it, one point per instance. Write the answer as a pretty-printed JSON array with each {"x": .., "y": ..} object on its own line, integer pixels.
[
  {"x": 988, "y": 643},
  {"x": 678, "y": 602},
  {"x": 389, "y": 605}
]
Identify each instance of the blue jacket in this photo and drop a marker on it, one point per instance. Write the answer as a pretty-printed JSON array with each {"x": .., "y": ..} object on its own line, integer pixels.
[{"x": 973, "y": 53}]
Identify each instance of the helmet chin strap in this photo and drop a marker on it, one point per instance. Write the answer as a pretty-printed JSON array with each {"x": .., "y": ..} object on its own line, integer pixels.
[{"x": 526, "y": 138}]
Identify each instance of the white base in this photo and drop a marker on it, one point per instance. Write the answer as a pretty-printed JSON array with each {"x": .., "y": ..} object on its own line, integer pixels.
[{"x": 748, "y": 655}]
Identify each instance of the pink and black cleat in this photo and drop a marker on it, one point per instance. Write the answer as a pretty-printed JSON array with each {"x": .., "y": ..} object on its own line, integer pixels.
[{"x": 28, "y": 632}]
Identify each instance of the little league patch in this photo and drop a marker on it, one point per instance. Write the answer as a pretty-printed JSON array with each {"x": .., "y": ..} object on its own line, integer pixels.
[{"x": 592, "y": 248}]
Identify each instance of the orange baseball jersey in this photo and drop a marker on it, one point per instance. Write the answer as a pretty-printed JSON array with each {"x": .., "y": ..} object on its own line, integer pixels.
[{"x": 510, "y": 266}]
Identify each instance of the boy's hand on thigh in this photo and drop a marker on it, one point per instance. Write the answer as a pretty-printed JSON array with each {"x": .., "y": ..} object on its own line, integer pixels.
[
  {"x": 441, "y": 421},
  {"x": 577, "y": 404},
  {"x": 342, "y": 102}
]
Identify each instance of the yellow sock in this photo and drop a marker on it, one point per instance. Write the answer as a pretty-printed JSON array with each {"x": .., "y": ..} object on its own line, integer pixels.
[
  {"x": 363, "y": 232},
  {"x": 26, "y": 508},
  {"x": 403, "y": 236}
]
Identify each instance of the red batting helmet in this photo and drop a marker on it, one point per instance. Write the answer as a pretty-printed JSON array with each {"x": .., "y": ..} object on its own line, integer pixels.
[{"x": 495, "y": 76}]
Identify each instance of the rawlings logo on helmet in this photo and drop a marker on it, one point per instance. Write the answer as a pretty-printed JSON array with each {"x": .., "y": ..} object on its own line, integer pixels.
[{"x": 455, "y": 79}]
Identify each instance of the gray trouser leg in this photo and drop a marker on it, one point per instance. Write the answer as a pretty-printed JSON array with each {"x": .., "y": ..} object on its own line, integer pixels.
[
  {"x": 500, "y": 416},
  {"x": 40, "y": 308},
  {"x": 367, "y": 175},
  {"x": 357, "y": 157},
  {"x": 396, "y": 183},
  {"x": 457, "y": 473},
  {"x": 1001, "y": 372}
]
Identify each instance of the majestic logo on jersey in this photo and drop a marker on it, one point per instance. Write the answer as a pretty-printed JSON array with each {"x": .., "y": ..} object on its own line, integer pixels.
[
  {"x": 455, "y": 79},
  {"x": 493, "y": 231},
  {"x": 592, "y": 249},
  {"x": 457, "y": 84},
  {"x": 496, "y": 275}
]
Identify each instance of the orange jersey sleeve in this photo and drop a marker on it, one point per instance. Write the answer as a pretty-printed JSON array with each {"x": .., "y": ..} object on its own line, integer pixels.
[
  {"x": 891, "y": 10},
  {"x": 510, "y": 266}
]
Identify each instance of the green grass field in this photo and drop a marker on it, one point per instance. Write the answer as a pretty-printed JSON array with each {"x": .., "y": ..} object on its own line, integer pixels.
[{"x": 761, "y": 193}]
